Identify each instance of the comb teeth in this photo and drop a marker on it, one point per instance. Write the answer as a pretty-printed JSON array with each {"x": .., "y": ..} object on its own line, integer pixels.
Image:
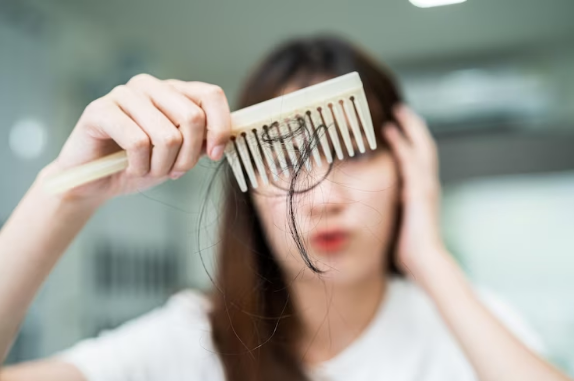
[
  {"x": 320, "y": 132},
  {"x": 235, "y": 164},
  {"x": 253, "y": 144},
  {"x": 312, "y": 138},
  {"x": 327, "y": 117},
  {"x": 278, "y": 149},
  {"x": 245, "y": 158},
  {"x": 314, "y": 120},
  {"x": 267, "y": 152},
  {"x": 353, "y": 125},
  {"x": 298, "y": 131}
]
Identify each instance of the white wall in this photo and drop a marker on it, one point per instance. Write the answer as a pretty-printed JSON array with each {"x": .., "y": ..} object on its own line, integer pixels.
[{"x": 515, "y": 235}]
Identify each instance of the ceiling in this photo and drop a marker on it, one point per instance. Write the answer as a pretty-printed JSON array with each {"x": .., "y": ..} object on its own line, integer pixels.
[{"x": 228, "y": 36}]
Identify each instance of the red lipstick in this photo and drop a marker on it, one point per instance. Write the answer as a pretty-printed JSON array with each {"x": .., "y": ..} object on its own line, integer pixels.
[{"x": 329, "y": 240}]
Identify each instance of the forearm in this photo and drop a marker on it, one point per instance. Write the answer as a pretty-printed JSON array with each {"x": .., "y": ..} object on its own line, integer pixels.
[
  {"x": 32, "y": 240},
  {"x": 494, "y": 352}
]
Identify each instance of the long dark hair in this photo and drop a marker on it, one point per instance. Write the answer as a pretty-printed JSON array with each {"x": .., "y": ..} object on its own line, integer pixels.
[{"x": 254, "y": 323}]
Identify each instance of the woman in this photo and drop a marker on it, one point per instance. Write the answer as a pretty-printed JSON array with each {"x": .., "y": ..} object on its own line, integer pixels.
[{"x": 270, "y": 317}]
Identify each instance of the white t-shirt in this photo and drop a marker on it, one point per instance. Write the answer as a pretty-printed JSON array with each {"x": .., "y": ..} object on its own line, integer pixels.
[{"x": 406, "y": 341}]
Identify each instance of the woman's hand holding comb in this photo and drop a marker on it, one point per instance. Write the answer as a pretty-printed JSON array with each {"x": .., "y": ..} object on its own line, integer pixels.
[
  {"x": 164, "y": 126},
  {"x": 161, "y": 125}
]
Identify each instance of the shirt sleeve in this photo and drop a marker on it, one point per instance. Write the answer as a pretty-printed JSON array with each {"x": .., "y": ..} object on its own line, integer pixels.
[
  {"x": 512, "y": 320},
  {"x": 148, "y": 347}
]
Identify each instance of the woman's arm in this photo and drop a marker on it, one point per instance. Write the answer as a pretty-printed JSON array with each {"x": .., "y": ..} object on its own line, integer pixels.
[
  {"x": 162, "y": 125},
  {"x": 45, "y": 370},
  {"x": 31, "y": 242},
  {"x": 494, "y": 352},
  {"x": 33, "y": 239}
]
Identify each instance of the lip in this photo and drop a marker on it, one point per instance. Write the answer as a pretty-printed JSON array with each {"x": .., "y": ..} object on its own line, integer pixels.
[{"x": 330, "y": 241}]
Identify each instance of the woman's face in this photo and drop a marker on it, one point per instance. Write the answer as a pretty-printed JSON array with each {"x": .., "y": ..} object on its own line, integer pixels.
[{"x": 345, "y": 222}]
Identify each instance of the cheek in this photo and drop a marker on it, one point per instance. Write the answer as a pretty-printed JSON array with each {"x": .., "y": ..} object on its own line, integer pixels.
[
  {"x": 374, "y": 207},
  {"x": 273, "y": 214},
  {"x": 384, "y": 196},
  {"x": 271, "y": 211},
  {"x": 374, "y": 184},
  {"x": 377, "y": 212},
  {"x": 382, "y": 185}
]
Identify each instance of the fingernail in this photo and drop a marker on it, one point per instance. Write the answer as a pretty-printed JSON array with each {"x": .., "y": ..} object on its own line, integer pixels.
[
  {"x": 217, "y": 152},
  {"x": 176, "y": 175}
]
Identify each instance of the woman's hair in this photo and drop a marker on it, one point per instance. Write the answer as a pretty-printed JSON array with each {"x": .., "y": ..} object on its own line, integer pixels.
[{"x": 254, "y": 323}]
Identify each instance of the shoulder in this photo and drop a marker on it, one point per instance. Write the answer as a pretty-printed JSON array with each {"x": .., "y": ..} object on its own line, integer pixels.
[
  {"x": 431, "y": 345},
  {"x": 424, "y": 313},
  {"x": 413, "y": 307},
  {"x": 188, "y": 304},
  {"x": 185, "y": 313},
  {"x": 175, "y": 336}
]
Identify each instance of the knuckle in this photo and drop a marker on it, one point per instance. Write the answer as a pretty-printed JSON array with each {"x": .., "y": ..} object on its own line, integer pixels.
[
  {"x": 119, "y": 91},
  {"x": 139, "y": 143},
  {"x": 95, "y": 110},
  {"x": 215, "y": 91},
  {"x": 158, "y": 172},
  {"x": 189, "y": 165},
  {"x": 194, "y": 117},
  {"x": 143, "y": 170},
  {"x": 93, "y": 107},
  {"x": 140, "y": 79},
  {"x": 180, "y": 168},
  {"x": 154, "y": 173},
  {"x": 97, "y": 105},
  {"x": 186, "y": 165},
  {"x": 138, "y": 171},
  {"x": 172, "y": 139}
]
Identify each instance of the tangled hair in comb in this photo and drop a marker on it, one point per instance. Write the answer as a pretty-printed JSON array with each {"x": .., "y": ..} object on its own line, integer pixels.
[{"x": 254, "y": 324}]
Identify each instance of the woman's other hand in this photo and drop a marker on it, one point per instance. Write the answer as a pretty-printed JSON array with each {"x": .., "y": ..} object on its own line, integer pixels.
[{"x": 417, "y": 159}]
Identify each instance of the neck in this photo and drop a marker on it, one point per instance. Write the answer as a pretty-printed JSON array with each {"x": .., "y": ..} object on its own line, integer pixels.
[{"x": 333, "y": 316}]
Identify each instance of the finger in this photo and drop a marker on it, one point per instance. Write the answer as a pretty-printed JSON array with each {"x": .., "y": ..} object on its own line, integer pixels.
[
  {"x": 214, "y": 103},
  {"x": 165, "y": 137},
  {"x": 193, "y": 132},
  {"x": 184, "y": 114},
  {"x": 415, "y": 129},
  {"x": 399, "y": 145},
  {"x": 108, "y": 121}
]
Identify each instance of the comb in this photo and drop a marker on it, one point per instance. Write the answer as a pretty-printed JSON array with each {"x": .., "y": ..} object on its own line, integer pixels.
[{"x": 268, "y": 138}]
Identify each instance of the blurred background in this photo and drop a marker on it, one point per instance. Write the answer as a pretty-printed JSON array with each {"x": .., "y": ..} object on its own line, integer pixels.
[{"x": 494, "y": 79}]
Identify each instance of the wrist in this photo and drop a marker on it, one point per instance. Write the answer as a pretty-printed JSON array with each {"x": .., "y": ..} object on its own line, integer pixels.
[
  {"x": 70, "y": 200},
  {"x": 428, "y": 264}
]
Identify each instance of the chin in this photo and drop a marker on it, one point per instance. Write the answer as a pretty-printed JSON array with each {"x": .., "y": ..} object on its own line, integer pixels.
[{"x": 346, "y": 269}]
